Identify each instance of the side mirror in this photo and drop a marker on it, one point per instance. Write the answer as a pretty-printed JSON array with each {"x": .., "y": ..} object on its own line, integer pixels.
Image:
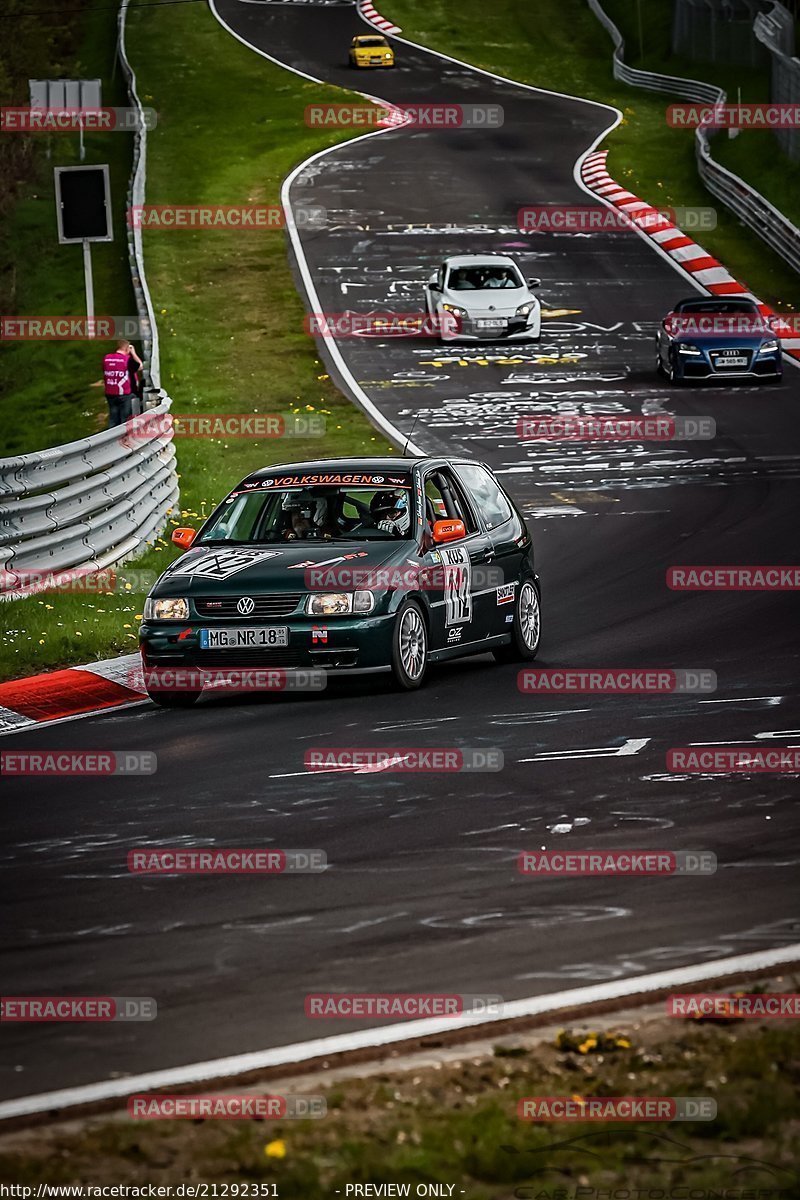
[
  {"x": 433, "y": 286},
  {"x": 534, "y": 283},
  {"x": 448, "y": 531},
  {"x": 184, "y": 537}
]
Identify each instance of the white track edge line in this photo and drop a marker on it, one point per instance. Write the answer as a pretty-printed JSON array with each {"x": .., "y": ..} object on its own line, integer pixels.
[
  {"x": 388, "y": 1035},
  {"x": 378, "y": 419}
]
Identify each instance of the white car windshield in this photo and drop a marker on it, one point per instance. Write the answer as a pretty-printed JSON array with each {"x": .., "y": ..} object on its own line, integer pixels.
[
  {"x": 478, "y": 279},
  {"x": 353, "y": 514}
]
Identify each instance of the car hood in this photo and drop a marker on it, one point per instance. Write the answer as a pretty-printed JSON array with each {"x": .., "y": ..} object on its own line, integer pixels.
[
  {"x": 234, "y": 570},
  {"x": 721, "y": 341},
  {"x": 490, "y": 303}
]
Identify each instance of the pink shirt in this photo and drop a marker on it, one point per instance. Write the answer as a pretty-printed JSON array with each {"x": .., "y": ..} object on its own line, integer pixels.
[{"x": 115, "y": 374}]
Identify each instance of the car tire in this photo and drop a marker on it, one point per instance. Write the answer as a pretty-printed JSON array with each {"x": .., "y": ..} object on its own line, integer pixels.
[
  {"x": 166, "y": 699},
  {"x": 409, "y": 647},
  {"x": 526, "y": 631},
  {"x": 672, "y": 375}
]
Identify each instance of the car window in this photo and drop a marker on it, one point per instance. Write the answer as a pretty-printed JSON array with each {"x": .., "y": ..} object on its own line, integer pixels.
[
  {"x": 482, "y": 278},
  {"x": 338, "y": 513},
  {"x": 443, "y": 499},
  {"x": 486, "y": 494}
]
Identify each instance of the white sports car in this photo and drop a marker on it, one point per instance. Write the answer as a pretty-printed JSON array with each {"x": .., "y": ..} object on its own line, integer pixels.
[{"x": 483, "y": 297}]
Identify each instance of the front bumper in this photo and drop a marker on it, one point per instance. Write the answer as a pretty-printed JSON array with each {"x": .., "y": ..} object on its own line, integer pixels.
[
  {"x": 708, "y": 365},
  {"x": 517, "y": 331},
  {"x": 340, "y": 644}
]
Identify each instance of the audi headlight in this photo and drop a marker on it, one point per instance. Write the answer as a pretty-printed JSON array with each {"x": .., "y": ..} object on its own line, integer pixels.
[
  {"x": 166, "y": 608},
  {"x": 525, "y": 310},
  {"x": 688, "y": 348},
  {"x": 332, "y": 604},
  {"x": 769, "y": 347}
]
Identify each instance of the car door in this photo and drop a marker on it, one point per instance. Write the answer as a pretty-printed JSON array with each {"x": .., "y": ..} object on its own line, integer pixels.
[
  {"x": 461, "y": 610},
  {"x": 506, "y": 542}
]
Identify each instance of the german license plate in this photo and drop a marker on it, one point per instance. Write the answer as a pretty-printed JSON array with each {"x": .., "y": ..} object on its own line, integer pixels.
[
  {"x": 485, "y": 323},
  {"x": 247, "y": 638},
  {"x": 735, "y": 360}
]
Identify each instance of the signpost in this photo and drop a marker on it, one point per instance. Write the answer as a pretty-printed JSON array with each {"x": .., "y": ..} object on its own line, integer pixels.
[
  {"x": 50, "y": 94},
  {"x": 83, "y": 212}
]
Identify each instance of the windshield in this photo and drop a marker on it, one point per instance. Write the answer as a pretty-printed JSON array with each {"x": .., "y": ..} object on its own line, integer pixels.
[
  {"x": 371, "y": 41},
  {"x": 478, "y": 279},
  {"x": 344, "y": 513},
  {"x": 723, "y": 307}
]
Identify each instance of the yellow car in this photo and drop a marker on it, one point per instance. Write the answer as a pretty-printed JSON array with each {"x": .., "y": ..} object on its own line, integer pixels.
[{"x": 371, "y": 50}]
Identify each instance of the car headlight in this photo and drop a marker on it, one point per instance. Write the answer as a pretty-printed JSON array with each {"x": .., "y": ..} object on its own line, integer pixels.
[
  {"x": 387, "y": 55},
  {"x": 525, "y": 310},
  {"x": 332, "y": 604},
  {"x": 688, "y": 348},
  {"x": 455, "y": 310},
  {"x": 166, "y": 608},
  {"x": 769, "y": 347}
]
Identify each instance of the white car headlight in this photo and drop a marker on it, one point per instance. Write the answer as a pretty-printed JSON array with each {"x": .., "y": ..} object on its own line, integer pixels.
[
  {"x": 525, "y": 310},
  {"x": 769, "y": 347},
  {"x": 332, "y": 604},
  {"x": 687, "y": 348},
  {"x": 166, "y": 608},
  {"x": 455, "y": 310}
]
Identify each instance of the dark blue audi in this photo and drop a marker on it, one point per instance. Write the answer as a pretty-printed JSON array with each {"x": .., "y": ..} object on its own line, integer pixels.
[{"x": 718, "y": 337}]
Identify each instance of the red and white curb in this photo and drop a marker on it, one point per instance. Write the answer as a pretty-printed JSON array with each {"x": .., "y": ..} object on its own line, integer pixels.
[
  {"x": 74, "y": 692},
  {"x": 696, "y": 262},
  {"x": 370, "y": 13}
]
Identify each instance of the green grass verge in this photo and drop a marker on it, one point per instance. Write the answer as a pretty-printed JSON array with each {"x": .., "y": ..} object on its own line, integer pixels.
[
  {"x": 46, "y": 397},
  {"x": 457, "y": 1125},
  {"x": 230, "y": 317},
  {"x": 559, "y": 44}
]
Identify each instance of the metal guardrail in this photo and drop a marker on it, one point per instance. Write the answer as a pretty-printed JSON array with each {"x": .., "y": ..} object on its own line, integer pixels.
[
  {"x": 80, "y": 507},
  {"x": 749, "y": 205}
]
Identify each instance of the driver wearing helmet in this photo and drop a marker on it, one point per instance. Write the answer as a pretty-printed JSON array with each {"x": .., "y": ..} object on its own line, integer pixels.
[
  {"x": 307, "y": 515},
  {"x": 390, "y": 512}
]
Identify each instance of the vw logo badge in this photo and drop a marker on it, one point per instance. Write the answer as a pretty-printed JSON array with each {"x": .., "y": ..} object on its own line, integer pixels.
[{"x": 246, "y": 606}]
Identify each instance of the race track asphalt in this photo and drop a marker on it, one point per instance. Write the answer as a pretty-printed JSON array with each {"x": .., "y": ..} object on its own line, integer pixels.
[{"x": 423, "y": 892}]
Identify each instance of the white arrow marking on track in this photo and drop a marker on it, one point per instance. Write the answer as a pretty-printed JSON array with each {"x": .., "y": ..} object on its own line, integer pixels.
[{"x": 631, "y": 746}]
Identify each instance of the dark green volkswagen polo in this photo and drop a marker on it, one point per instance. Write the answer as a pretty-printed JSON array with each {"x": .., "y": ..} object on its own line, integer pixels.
[{"x": 345, "y": 566}]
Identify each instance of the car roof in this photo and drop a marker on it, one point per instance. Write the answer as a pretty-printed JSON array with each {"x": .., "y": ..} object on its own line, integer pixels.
[
  {"x": 355, "y": 465},
  {"x": 708, "y": 301},
  {"x": 360, "y": 37},
  {"x": 473, "y": 260}
]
